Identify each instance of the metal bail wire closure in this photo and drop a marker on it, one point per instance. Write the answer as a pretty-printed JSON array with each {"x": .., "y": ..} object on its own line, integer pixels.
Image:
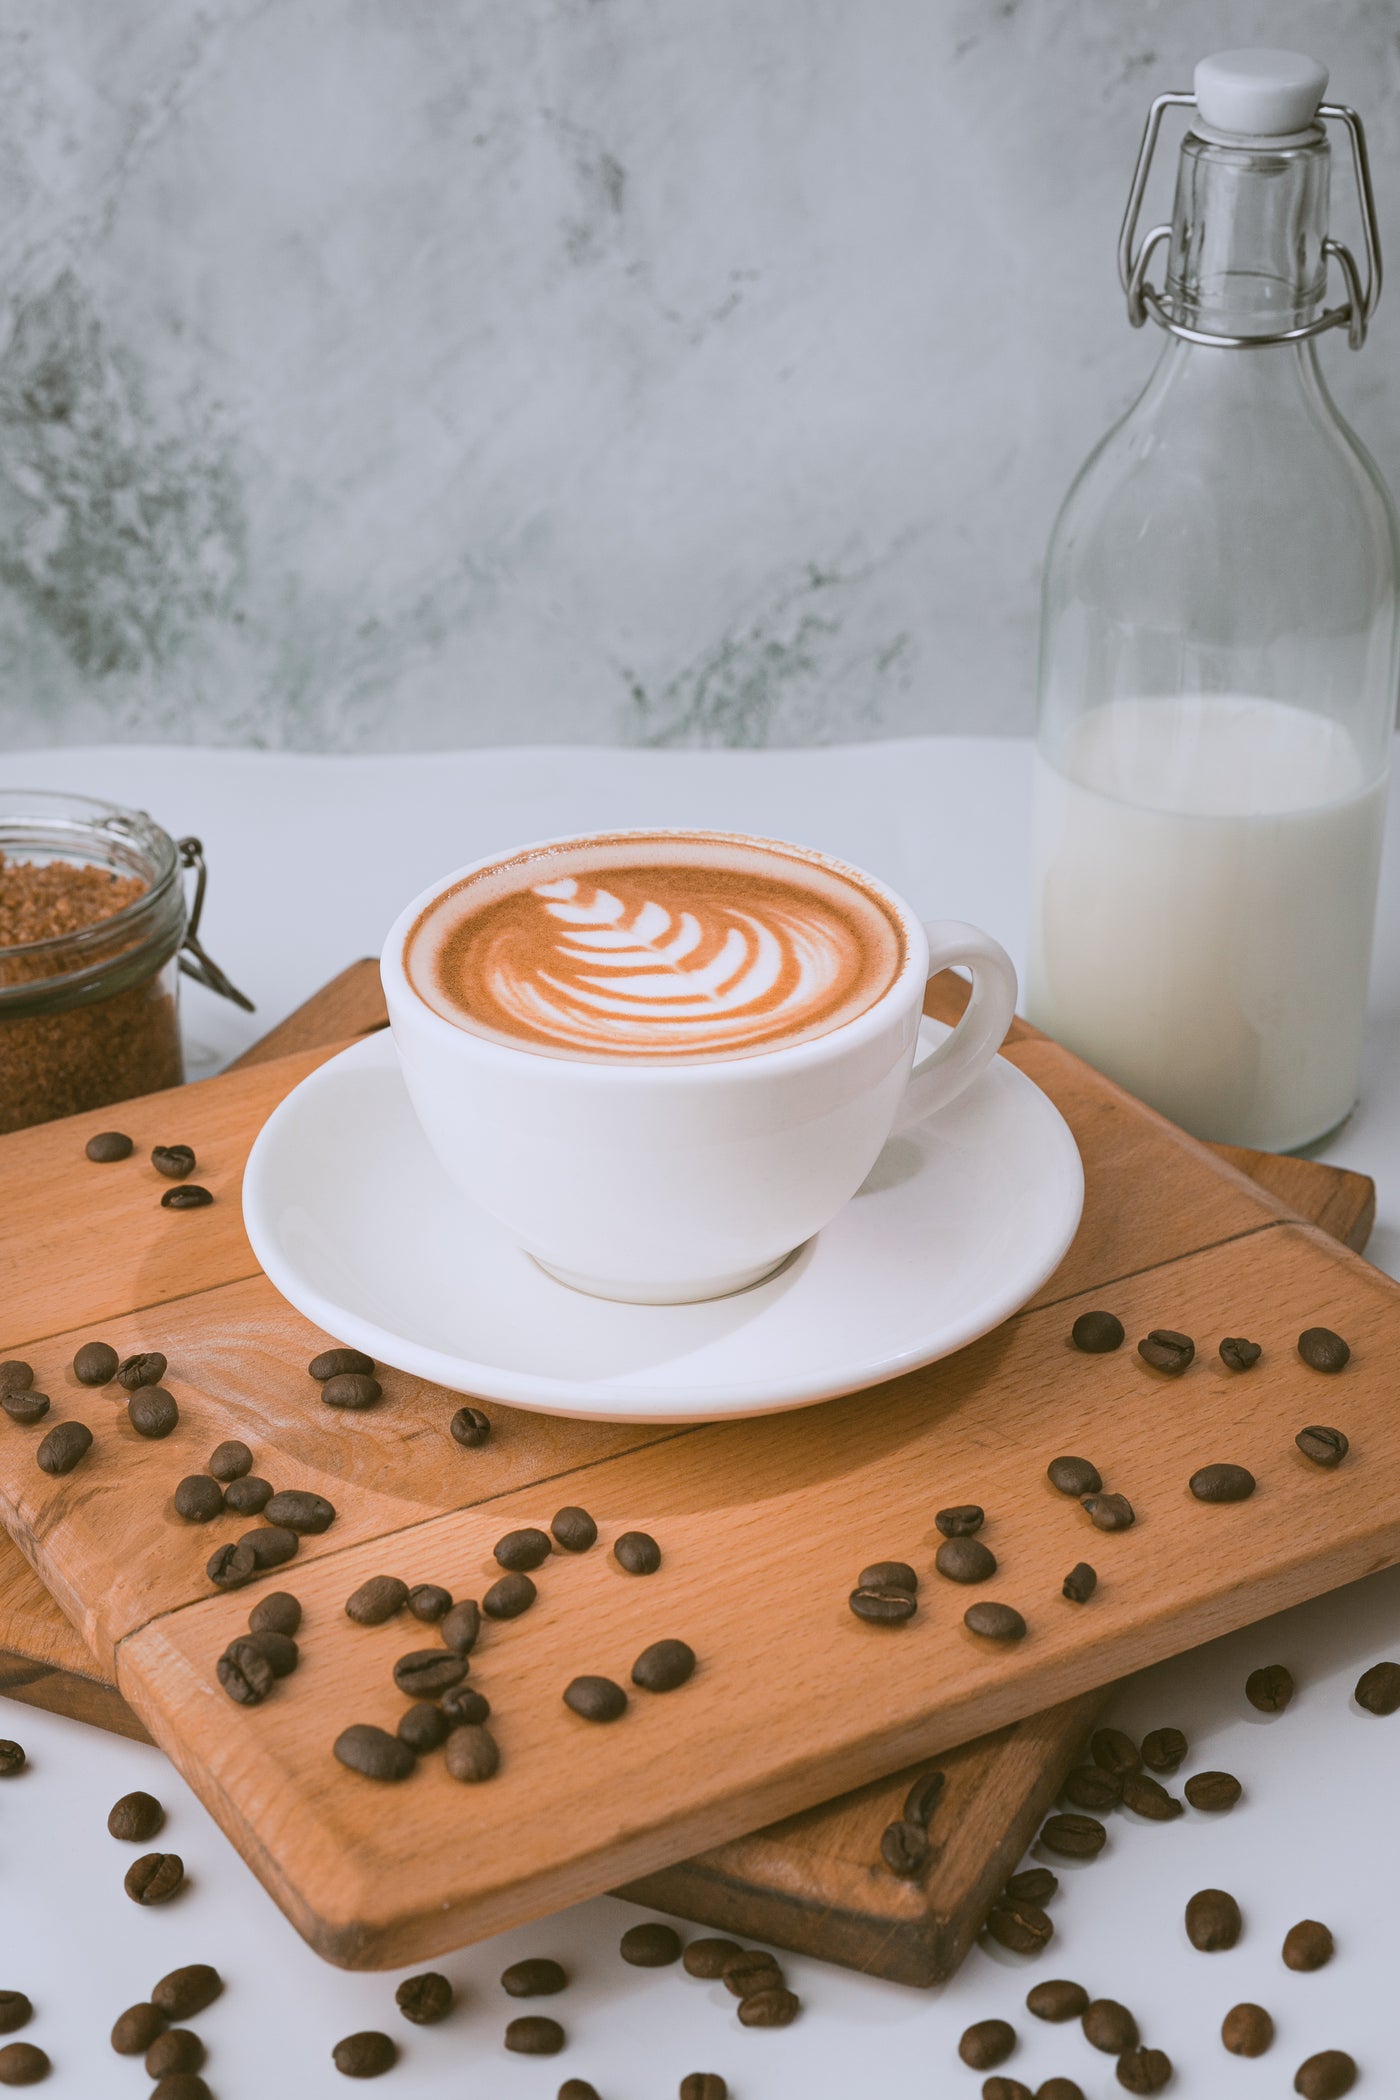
[
  {"x": 1145, "y": 299},
  {"x": 194, "y": 962}
]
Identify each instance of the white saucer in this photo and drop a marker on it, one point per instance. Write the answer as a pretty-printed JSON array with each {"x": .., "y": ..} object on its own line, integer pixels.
[{"x": 960, "y": 1222}]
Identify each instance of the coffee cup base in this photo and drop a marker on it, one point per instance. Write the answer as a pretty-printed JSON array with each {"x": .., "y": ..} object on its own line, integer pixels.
[{"x": 666, "y": 1294}]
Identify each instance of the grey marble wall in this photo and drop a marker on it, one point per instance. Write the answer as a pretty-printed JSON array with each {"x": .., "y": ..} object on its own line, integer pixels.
[{"x": 395, "y": 373}]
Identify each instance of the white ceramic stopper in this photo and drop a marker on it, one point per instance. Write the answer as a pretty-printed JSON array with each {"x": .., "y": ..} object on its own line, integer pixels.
[{"x": 1259, "y": 94}]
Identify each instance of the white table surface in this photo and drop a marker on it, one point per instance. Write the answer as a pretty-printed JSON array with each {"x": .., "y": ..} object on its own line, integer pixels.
[{"x": 310, "y": 858}]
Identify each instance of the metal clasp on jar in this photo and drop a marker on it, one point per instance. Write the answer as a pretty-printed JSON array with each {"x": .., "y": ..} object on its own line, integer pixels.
[{"x": 194, "y": 960}]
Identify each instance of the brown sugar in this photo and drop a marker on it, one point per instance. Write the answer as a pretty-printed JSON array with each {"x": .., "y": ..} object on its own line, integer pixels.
[{"x": 40, "y": 900}]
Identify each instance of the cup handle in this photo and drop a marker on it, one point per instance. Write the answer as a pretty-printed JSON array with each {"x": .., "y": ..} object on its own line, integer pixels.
[{"x": 944, "y": 1074}]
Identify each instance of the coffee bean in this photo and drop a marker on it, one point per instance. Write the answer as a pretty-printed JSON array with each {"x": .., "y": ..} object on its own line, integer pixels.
[
  {"x": 1143, "y": 2070},
  {"x": 522, "y": 1550},
  {"x": 1325, "y": 1447},
  {"x": 21, "y": 2063},
  {"x": 376, "y": 1600},
  {"x": 1059, "y": 2089},
  {"x": 889, "y": 1575},
  {"x": 1080, "y": 1583},
  {"x": 425, "y": 1999},
  {"x": 147, "y": 1367},
  {"x": 1096, "y": 1333},
  {"x": 472, "y": 1755},
  {"x": 889, "y": 1605},
  {"x": 1074, "y": 1476},
  {"x": 751, "y": 1969},
  {"x": 248, "y": 1497},
  {"x": 152, "y": 1412},
  {"x": 180, "y": 2049},
  {"x": 1021, "y": 1927},
  {"x": 460, "y": 1629},
  {"x": 1307, "y": 1946},
  {"x": 1222, "y": 1484},
  {"x": 637, "y": 1553},
  {"x": 965, "y": 1560},
  {"x": 12, "y": 1759},
  {"x": 198, "y": 1499},
  {"x": 184, "y": 1992},
  {"x": 999, "y": 2088},
  {"x": 650, "y": 1946},
  {"x": 995, "y": 1622},
  {"x": 366, "y": 2055},
  {"x": 229, "y": 1567},
  {"x": 95, "y": 1364},
  {"x": 16, "y": 1376},
  {"x": 1110, "y": 1512},
  {"x": 173, "y": 1161},
  {"x": 1322, "y": 1350},
  {"x": 1213, "y": 1921},
  {"x": 134, "y": 2030},
  {"x": 301, "y": 1511},
  {"x": 26, "y": 1408},
  {"x": 777, "y": 2007},
  {"x": 155, "y": 1877},
  {"x": 181, "y": 2085},
  {"x": 1074, "y": 1837},
  {"x": 1088, "y": 1787},
  {"x": 429, "y": 1602},
  {"x": 470, "y": 1428},
  {"x": 578, "y": 2089},
  {"x": 1113, "y": 1751},
  {"x": 108, "y": 1146},
  {"x": 904, "y": 1847},
  {"x": 63, "y": 1447},
  {"x": 961, "y": 1521},
  {"x": 245, "y": 1672},
  {"x": 271, "y": 1545},
  {"x": 1212, "y": 1791},
  {"x": 1058, "y": 2000},
  {"x": 1239, "y": 1355},
  {"x": 1269, "y": 1689},
  {"x": 595, "y": 1698},
  {"x": 1032, "y": 1885},
  {"x": 536, "y": 1977},
  {"x": 277, "y": 1613},
  {"x": 1167, "y": 1351},
  {"x": 509, "y": 1597},
  {"x": 352, "y": 1391},
  {"x": 428, "y": 1671},
  {"x": 1163, "y": 1749},
  {"x": 922, "y": 1797},
  {"x": 664, "y": 1666},
  {"x": 574, "y": 1530},
  {"x": 135, "y": 1818},
  {"x": 1246, "y": 2030},
  {"x": 697, "y": 2085},
  {"x": 1109, "y": 2026},
  {"x": 15, "y": 2011},
  {"x": 1325, "y": 2076},
  {"x": 534, "y": 2035},
  {"x": 1378, "y": 1689},
  {"x": 230, "y": 1460},
  {"x": 373, "y": 1752},
  {"x": 423, "y": 1727},
  {"x": 337, "y": 1363},
  {"x": 1145, "y": 1797},
  {"x": 986, "y": 2044},
  {"x": 187, "y": 1196},
  {"x": 707, "y": 1957}
]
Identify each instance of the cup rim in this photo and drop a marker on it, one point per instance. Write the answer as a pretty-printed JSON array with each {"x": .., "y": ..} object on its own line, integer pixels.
[{"x": 644, "y": 1071}]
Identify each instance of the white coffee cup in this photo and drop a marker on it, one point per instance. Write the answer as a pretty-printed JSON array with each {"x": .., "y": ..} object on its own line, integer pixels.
[{"x": 662, "y": 1183}]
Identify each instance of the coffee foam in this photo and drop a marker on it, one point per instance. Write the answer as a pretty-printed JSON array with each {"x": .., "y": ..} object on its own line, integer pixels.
[{"x": 655, "y": 946}]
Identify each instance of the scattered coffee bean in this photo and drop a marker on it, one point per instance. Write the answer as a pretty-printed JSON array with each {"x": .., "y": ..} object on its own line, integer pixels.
[
  {"x": 1109, "y": 2026},
  {"x": 1146, "y": 1797},
  {"x": 999, "y": 2088},
  {"x": 534, "y": 1978},
  {"x": 986, "y": 2044},
  {"x": 1307, "y": 1946},
  {"x": 352, "y": 1391},
  {"x": 1269, "y": 1689},
  {"x": 376, "y": 1600},
  {"x": 1113, "y": 1751},
  {"x": 777, "y": 2007},
  {"x": 1022, "y": 1928},
  {"x": 147, "y": 1367},
  {"x": 1167, "y": 1351},
  {"x": 423, "y": 1727},
  {"x": 230, "y": 1460},
  {"x": 461, "y": 1627},
  {"x": 108, "y": 1146},
  {"x": 1322, "y": 1350},
  {"x": 186, "y": 1196},
  {"x": 15, "y": 2011},
  {"x": 995, "y": 1622},
  {"x": 1059, "y": 2089},
  {"x": 664, "y": 1666},
  {"x": 1213, "y": 1921},
  {"x": 184, "y": 1992},
  {"x": 339, "y": 1363},
  {"x": 1246, "y": 2030},
  {"x": 373, "y": 1752},
  {"x": 1032, "y": 1885},
  {"x": 12, "y": 1758},
  {"x": 888, "y": 1604},
  {"x": 136, "y": 2028},
  {"x": 229, "y": 1567},
  {"x": 16, "y": 1376},
  {"x": 752, "y": 1969},
  {"x": 271, "y": 1545},
  {"x": 181, "y": 2085},
  {"x": 1057, "y": 2000},
  {"x": 1143, "y": 2070},
  {"x": 534, "y": 2035},
  {"x": 1239, "y": 1355},
  {"x": 1074, "y": 1837},
  {"x": 574, "y": 1530},
  {"x": 429, "y": 1671},
  {"x": 1096, "y": 1333},
  {"x": 922, "y": 1797},
  {"x": 1212, "y": 1791},
  {"x": 520, "y": 1551},
  {"x": 1080, "y": 1583},
  {"x": 889, "y": 1575},
  {"x": 637, "y": 1553},
  {"x": 155, "y": 1877},
  {"x": 179, "y": 2049},
  {"x": 1325, "y": 1447},
  {"x": 249, "y": 1496},
  {"x": 425, "y": 1999},
  {"x": 1087, "y": 1786},
  {"x": 1378, "y": 1689},
  {"x": 429, "y": 1602},
  {"x": 1325, "y": 2076},
  {"x": 1110, "y": 1512},
  {"x": 508, "y": 1598},
  {"x": 277, "y": 1613},
  {"x": 135, "y": 1818},
  {"x": 650, "y": 1946},
  {"x": 301, "y": 1511},
  {"x": 472, "y": 1755},
  {"x": 706, "y": 1957},
  {"x": 245, "y": 1672},
  {"x": 95, "y": 1364},
  {"x": 63, "y": 1447},
  {"x": 1074, "y": 1476},
  {"x": 595, "y": 1698},
  {"x": 961, "y": 1521},
  {"x": 198, "y": 1499},
  {"x": 470, "y": 1428},
  {"x": 26, "y": 1408},
  {"x": 965, "y": 1560},
  {"x": 367, "y": 2055},
  {"x": 175, "y": 1162},
  {"x": 904, "y": 1847},
  {"x": 152, "y": 1412},
  {"x": 1220, "y": 1483},
  {"x": 696, "y": 2085},
  {"x": 21, "y": 2063},
  {"x": 1163, "y": 1749}
]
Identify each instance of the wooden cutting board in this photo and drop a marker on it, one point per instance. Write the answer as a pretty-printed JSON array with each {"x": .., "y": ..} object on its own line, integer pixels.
[{"x": 375, "y": 1877}]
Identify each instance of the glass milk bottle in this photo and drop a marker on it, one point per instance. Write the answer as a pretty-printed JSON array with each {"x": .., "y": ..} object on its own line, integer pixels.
[{"x": 1219, "y": 650}]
